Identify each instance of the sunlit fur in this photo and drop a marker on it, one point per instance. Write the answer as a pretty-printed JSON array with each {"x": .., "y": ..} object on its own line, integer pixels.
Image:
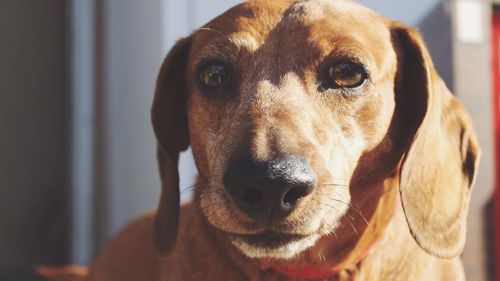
[
  {"x": 394, "y": 160},
  {"x": 272, "y": 107}
]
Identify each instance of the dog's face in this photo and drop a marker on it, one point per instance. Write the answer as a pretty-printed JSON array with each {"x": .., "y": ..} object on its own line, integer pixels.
[
  {"x": 299, "y": 85},
  {"x": 299, "y": 115}
]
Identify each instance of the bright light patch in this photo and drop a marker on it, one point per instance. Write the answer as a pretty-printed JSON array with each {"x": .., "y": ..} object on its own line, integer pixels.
[{"x": 469, "y": 17}]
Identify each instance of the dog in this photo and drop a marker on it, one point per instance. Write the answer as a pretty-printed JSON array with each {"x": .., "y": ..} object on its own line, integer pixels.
[{"x": 327, "y": 147}]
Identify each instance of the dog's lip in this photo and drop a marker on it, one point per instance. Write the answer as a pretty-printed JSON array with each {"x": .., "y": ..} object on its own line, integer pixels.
[{"x": 268, "y": 238}]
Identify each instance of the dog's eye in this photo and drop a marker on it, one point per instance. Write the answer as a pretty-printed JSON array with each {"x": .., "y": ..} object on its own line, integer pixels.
[
  {"x": 214, "y": 76},
  {"x": 346, "y": 75}
]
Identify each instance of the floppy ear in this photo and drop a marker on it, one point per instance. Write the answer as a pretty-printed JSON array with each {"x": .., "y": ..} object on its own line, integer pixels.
[
  {"x": 441, "y": 151},
  {"x": 169, "y": 120}
]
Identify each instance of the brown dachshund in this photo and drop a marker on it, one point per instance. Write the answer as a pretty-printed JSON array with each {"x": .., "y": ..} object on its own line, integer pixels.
[{"x": 327, "y": 146}]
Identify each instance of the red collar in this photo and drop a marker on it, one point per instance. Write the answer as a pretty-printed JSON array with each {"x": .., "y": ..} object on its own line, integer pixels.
[
  {"x": 306, "y": 272},
  {"x": 313, "y": 272}
]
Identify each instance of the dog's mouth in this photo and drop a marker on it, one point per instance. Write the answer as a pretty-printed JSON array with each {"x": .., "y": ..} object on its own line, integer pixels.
[
  {"x": 273, "y": 244},
  {"x": 268, "y": 239}
]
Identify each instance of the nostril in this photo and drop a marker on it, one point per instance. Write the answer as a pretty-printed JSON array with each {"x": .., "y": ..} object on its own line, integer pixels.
[
  {"x": 252, "y": 197},
  {"x": 293, "y": 195}
]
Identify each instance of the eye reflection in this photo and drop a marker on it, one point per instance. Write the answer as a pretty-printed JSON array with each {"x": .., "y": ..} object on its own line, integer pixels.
[
  {"x": 345, "y": 75},
  {"x": 214, "y": 76}
]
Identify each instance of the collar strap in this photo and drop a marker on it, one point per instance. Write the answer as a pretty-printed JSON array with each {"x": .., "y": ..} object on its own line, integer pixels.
[
  {"x": 306, "y": 272},
  {"x": 313, "y": 272}
]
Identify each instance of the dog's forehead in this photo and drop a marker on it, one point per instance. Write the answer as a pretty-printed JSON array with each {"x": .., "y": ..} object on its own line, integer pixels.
[{"x": 319, "y": 23}]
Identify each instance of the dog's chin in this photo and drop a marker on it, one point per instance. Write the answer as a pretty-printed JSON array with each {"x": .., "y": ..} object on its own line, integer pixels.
[{"x": 271, "y": 245}]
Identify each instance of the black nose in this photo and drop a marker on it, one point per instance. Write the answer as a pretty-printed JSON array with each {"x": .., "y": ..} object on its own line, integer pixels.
[{"x": 268, "y": 189}]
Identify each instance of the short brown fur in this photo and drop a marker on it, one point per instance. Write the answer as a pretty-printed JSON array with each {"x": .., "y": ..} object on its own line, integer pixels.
[{"x": 394, "y": 162}]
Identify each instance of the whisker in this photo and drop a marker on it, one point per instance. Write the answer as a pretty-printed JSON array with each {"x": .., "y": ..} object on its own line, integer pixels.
[
  {"x": 341, "y": 180},
  {"x": 349, "y": 221},
  {"x": 197, "y": 183},
  {"x": 211, "y": 29},
  {"x": 352, "y": 204},
  {"x": 335, "y": 184},
  {"x": 353, "y": 227},
  {"x": 191, "y": 187},
  {"x": 210, "y": 192},
  {"x": 356, "y": 209},
  {"x": 335, "y": 234}
]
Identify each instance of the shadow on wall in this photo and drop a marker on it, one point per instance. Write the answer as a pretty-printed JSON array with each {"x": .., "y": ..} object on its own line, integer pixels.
[
  {"x": 436, "y": 25},
  {"x": 488, "y": 245}
]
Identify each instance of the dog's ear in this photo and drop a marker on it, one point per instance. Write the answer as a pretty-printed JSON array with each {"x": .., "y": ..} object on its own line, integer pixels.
[
  {"x": 169, "y": 118},
  {"x": 440, "y": 151}
]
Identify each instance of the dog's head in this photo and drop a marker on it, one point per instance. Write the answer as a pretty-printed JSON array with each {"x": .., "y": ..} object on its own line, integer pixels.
[{"x": 305, "y": 119}]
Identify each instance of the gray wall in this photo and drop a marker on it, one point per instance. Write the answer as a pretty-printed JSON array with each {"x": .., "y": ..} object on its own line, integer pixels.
[
  {"x": 131, "y": 54},
  {"x": 472, "y": 76},
  {"x": 33, "y": 133},
  {"x": 409, "y": 12},
  {"x": 433, "y": 19}
]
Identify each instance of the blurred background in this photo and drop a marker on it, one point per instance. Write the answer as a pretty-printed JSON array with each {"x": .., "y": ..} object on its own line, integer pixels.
[{"x": 77, "y": 151}]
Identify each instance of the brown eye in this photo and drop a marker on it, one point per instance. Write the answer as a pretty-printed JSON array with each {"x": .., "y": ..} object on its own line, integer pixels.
[
  {"x": 214, "y": 76},
  {"x": 346, "y": 75}
]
